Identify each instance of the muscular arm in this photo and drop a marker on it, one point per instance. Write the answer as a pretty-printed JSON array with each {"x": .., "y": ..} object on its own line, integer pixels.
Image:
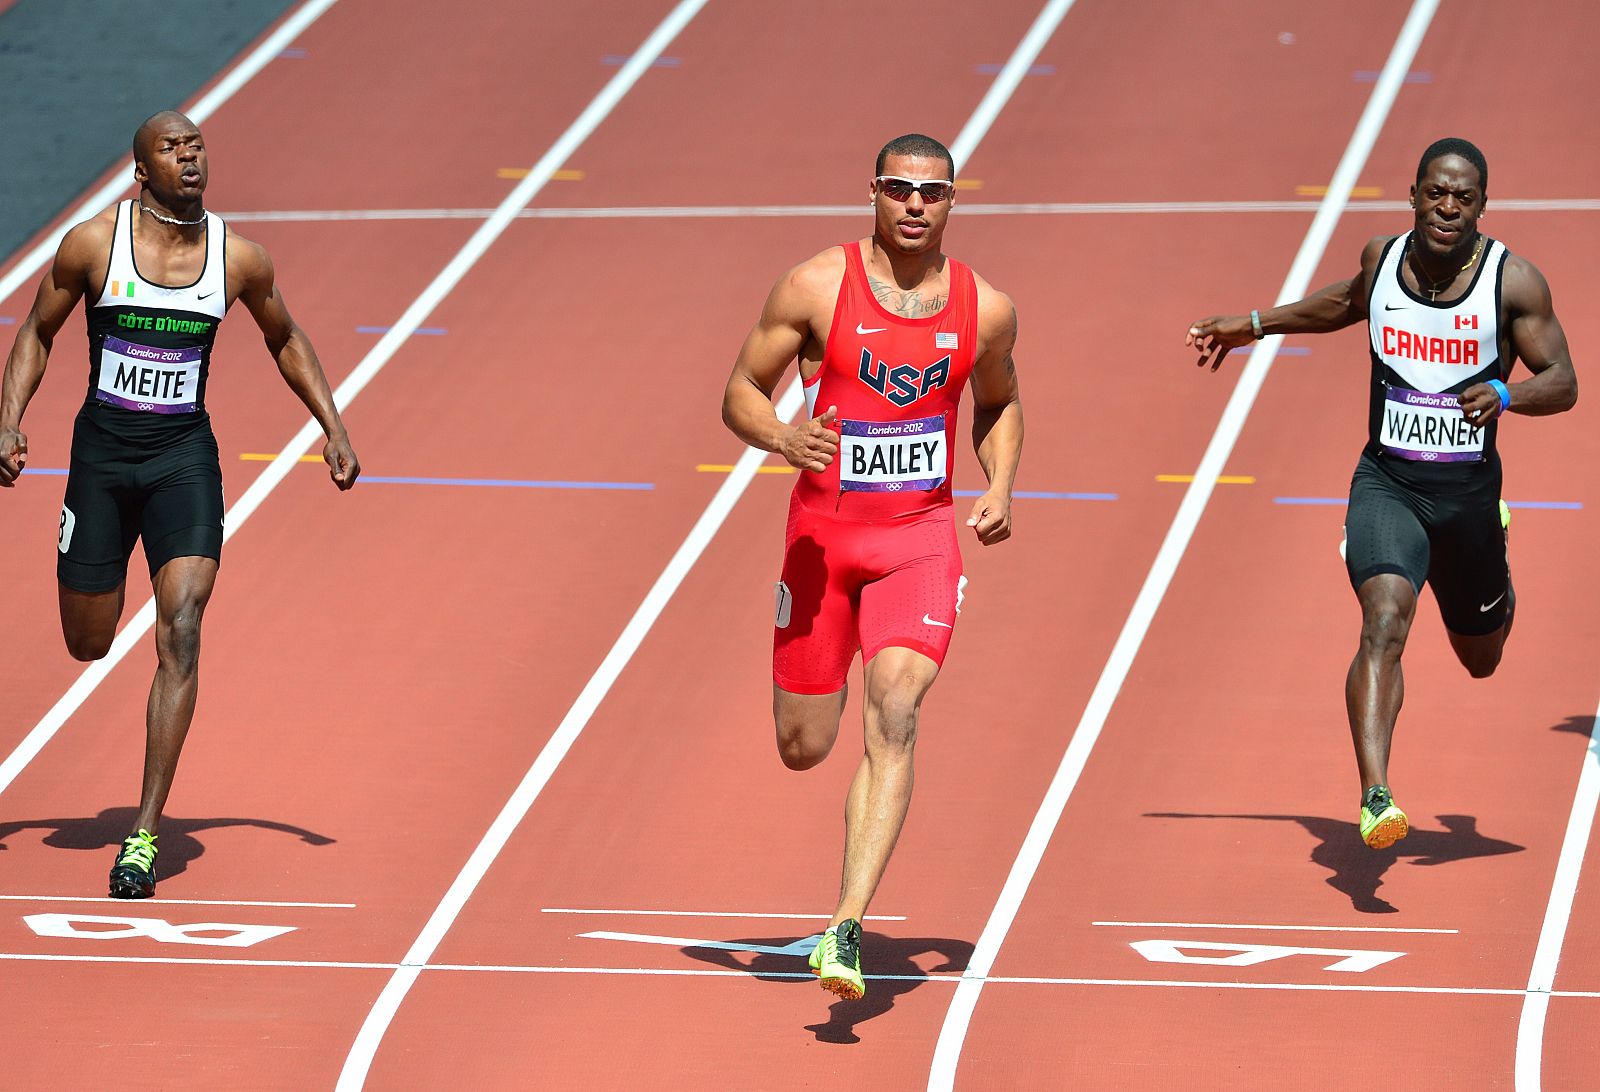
[
  {"x": 296, "y": 359},
  {"x": 1340, "y": 304},
  {"x": 59, "y": 293},
  {"x": 1539, "y": 341},
  {"x": 996, "y": 415},
  {"x": 779, "y": 336}
]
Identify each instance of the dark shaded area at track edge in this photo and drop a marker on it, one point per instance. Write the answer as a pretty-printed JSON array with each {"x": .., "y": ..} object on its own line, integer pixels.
[{"x": 78, "y": 76}]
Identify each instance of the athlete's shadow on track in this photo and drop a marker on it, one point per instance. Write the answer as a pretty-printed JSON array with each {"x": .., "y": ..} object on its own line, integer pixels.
[
  {"x": 178, "y": 843},
  {"x": 1579, "y": 726},
  {"x": 1357, "y": 870},
  {"x": 894, "y": 958}
]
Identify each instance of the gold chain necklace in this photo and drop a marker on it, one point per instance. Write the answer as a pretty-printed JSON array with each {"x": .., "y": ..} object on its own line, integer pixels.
[{"x": 1435, "y": 287}]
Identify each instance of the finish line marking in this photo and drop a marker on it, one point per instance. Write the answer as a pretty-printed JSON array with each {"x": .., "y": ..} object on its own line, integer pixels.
[
  {"x": 801, "y": 976},
  {"x": 179, "y": 902},
  {"x": 734, "y": 212},
  {"x": 709, "y": 914},
  {"x": 1283, "y": 928}
]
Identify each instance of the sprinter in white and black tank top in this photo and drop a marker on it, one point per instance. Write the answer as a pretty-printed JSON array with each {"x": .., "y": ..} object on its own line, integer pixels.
[
  {"x": 158, "y": 273},
  {"x": 1449, "y": 312}
]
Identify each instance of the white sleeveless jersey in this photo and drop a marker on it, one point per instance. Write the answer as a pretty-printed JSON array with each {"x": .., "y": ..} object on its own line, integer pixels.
[
  {"x": 1424, "y": 354},
  {"x": 150, "y": 345}
]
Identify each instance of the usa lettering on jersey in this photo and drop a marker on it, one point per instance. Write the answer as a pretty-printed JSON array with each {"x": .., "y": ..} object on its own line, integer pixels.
[{"x": 903, "y": 384}]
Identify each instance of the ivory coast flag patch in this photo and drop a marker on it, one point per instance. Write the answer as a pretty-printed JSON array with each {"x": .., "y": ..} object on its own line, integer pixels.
[{"x": 122, "y": 288}]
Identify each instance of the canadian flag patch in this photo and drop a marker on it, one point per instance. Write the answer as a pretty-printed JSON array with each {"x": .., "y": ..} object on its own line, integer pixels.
[{"x": 1466, "y": 322}]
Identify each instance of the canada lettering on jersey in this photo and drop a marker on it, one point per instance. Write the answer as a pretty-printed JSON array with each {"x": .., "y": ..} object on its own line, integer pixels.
[
  {"x": 1430, "y": 350},
  {"x": 903, "y": 384}
]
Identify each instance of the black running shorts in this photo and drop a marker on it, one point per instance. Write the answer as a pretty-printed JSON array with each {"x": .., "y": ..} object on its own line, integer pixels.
[
  {"x": 1452, "y": 541},
  {"x": 168, "y": 494}
]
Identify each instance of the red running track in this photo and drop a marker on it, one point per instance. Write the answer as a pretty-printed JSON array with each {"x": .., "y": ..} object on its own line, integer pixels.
[{"x": 381, "y": 667}]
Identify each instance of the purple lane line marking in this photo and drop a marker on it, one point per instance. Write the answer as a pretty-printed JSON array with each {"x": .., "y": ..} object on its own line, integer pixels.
[
  {"x": 425, "y": 331},
  {"x": 7, "y": 320},
  {"x": 1033, "y": 69},
  {"x": 1026, "y": 494},
  {"x": 616, "y": 60},
  {"x": 1570, "y": 506},
  {"x": 57, "y": 471},
  {"x": 1309, "y": 500},
  {"x": 510, "y": 483},
  {"x": 292, "y": 54},
  {"x": 1370, "y": 75}
]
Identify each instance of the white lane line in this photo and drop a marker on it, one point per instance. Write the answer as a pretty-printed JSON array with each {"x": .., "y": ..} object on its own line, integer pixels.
[
  {"x": 241, "y": 74},
  {"x": 801, "y": 946},
  {"x": 746, "y": 212},
  {"x": 799, "y": 976},
  {"x": 1558, "y": 913},
  {"x": 710, "y": 914},
  {"x": 145, "y": 617},
  {"x": 1282, "y": 928},
  {"x": 359, "y": 1060},
  {"x": 947, "y": 1053},
  {"x": 633, "y": 634},
  {"x": 1005, "y": 84},
  {"x": 178, "y": 902}
]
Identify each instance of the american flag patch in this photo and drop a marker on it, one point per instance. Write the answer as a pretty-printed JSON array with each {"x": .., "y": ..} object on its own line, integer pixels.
[{"x": 944, "y": 341}]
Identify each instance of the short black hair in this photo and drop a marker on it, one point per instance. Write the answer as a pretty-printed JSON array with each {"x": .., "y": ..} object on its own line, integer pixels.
[
  {"x": 1456, "y": 146},
  {"x": 916, "y": 144}
]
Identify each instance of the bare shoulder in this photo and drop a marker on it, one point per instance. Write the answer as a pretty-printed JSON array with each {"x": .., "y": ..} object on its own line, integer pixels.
[
  {"x": 88, "y": 242},
  {"x": 1373, "y": 251},
  {"x": 247, "y": 260},
  {"x": 1523, "y": 287},
  {"x": 817, "y": 277},
  {"x": 810, "y": 288},
  {"x": 997, "y": 315}
]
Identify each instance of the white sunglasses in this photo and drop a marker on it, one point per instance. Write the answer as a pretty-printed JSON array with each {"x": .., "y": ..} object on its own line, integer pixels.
[{"x": 900, "y": 189}]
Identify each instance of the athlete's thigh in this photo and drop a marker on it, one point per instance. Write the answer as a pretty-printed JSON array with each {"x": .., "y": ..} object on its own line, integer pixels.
[
  {"x": 1384, "y": 532},
  {"x": 100, "y": 517},
  {"x": 182, "y": 514},
  {"x": 1469, "y": 576},
  {"x": 916, "y": 595},
  {"x": 814, "y": 624}
]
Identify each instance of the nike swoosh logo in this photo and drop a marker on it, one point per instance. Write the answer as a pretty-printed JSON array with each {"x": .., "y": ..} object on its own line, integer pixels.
[
  {"x": 203, "y": 295},
  {"x": 1392, "y": 307},
  {"x": 1487, "y": 607},
  {"x": 862, "y": 330},
  {"x": 930, "y": 622}
]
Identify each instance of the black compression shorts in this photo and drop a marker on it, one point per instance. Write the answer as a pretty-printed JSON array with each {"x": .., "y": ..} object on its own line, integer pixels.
[
  {"x": 169, "y": 494},
  {"x": 1452, "y": 541}
]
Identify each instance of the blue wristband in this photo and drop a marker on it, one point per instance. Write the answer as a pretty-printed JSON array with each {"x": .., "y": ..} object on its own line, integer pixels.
[{"x": 1504, "y": 393}]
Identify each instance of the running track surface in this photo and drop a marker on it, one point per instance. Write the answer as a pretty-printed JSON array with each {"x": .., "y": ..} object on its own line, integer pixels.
[{"x": 381, "y": 667}]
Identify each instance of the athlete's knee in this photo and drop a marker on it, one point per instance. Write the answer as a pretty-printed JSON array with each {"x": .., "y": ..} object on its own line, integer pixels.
[
  {"x": 1384, "y": 629},
  {"x": 1482, "y": 667},
  {"x": 806, "y": 727},
  {"x": 178, "y": 639},
  {"x": 895, "y": 710}
]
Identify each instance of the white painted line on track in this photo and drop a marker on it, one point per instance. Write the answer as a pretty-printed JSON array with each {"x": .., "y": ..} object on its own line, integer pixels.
[
  {"x": 177, "y": 902},
  {"x": 727, "y": 212},
  {"x": 711, "y": 914},
  {"x": 208, "y": 104},
  {"x": 798, "y": 976},
  {"x": 1557, "y": 915},
  {"x": 354, "y": 1072},
  {"x": 1282, "y": 928},
  {"x": 947, "y": 1052},
  {"x": 655, "y": 601},
  {"x": 145, "y": 617}
]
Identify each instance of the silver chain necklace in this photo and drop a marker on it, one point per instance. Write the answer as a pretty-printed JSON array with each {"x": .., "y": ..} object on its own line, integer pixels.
[{"x": 173, "y": 220}]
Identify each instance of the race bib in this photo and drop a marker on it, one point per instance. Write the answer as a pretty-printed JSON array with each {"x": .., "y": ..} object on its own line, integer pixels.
[
  {"x": 138, "y": 377},
  {"x": 1426, "y": 427},
  {"x": 891, "y": 456}
]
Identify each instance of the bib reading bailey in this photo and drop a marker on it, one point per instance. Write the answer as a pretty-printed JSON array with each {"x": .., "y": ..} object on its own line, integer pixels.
[
  {"x": 150, "y": 345},
  {"x": 1424, "y": 354},
  {"x": 897, "y": 382}
]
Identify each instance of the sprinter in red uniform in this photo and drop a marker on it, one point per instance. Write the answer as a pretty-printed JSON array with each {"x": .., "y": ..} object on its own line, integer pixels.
[{"x": 887, "y": 331}]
